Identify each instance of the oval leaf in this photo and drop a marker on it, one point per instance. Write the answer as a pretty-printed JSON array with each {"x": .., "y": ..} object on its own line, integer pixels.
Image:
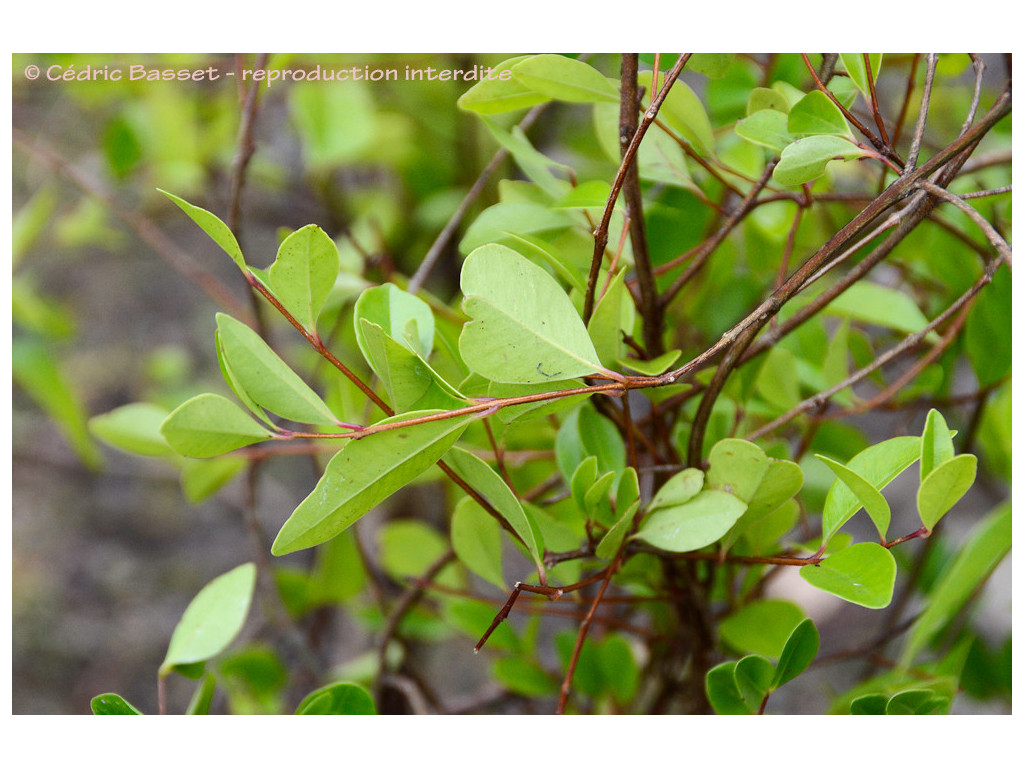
[
  {"x": 213, "y": 618},
  {"x": 872, "y": 500},
  {"x": 304, "y": 272},
  {"x": 936, "y": 443},
  {"x": 134, "y": 428},
  {"x": 864, "y": 574},
  {"x": 565, "y": 79},
  {"x": 266, "y": 378},
  {"x": 816, "y": 114},
  {"x": 805, "y": 159},
  {"x": 476, "y": 539},
  {"x": 209, "y": 425},
  {"x": 701, "y": 521},
  {"x": 798, "y": 653},
  {"x": 338, "y": 699},
  {"x": 525, "y": 329},
  {"x": 364, "y": 473},
  {"x": 500, "y": 94},
  {"x": 944, "y": 487},
  {"x": 214, "y": 227}
]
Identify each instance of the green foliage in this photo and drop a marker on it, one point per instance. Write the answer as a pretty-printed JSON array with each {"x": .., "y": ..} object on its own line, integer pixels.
[{"x": 636, "y": 444}]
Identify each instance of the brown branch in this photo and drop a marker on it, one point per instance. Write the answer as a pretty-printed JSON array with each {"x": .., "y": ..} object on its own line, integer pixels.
[
  {"x": 650, "y": 307},
  {"x": 601, "y": 234}
]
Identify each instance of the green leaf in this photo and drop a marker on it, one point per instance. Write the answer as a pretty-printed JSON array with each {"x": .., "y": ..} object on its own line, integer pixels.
[
  {"x": 213, "y": 619},
  {"x": 798, "y": 653},
  {"x": 936, "y": 443},
  {"x": 565, "y": 79},
  {"x": 777, "y": 381},
  {"x": 871, "y": 704},
  {"x": 521, "y": 677},
  {"x": 614, "y": 313},
  {"x": 619, "y": 668},
  {"x": 338, "y": 699},
  {"x": 753, "y": 680},
  {"x": 134, "y": 428},
  {"x": 659, "y": 159},
  {"x": 779, "y": 483},
  {"x": 506, "y": 220},
  {"x": 723, "y": 694},
  {"x": 912, "y": 702},
  {"x": 654, "y": 367},
  {"x": 816, "y": 114},
  {"x": 767, "y": 128},
  {"x": 582, "y": 480},
  {"x": 872, "y": 500},
  {"x": 987, "y": 339},
  {"x": 714, "y": 65},
  {"x": 684, "y": 113},
  {"x": 878, "y": 465},
  {"x": 737, "y": 467},
  {"x": 864, "y": 574},
  {"x": 584, "y": 433},
  {"x": 533, "y": 410},
  {"x": 702, "y": 520},
  {"x": 410, "y": 381},
  {"x": 531, "y": 247},
  {"x": 987, "y": 544},
  {"x": 410, "y": 547},
  {"x": 767, "y": 98},
  {"x": 209, "y": 425},
  {"x": 762, "y": 627},
  {"x": 609, "y": 545},
  {"x": 493, "y": 96},
  {"x": 678, "y": 489},
  {"x": 853, "y": 63},
  {"x": 489, "y": 484},
  {"x": 304, "y": 272},
  {"x": 405, "y": 318},
  {"x": 218, "y": 231},
  {"x": 202, "y": 697},
  {"x": 945, "y": 486},
  {"x": 266, "y": 378},
  {"x": 201, "y": 479},
  {"x": 525, "y": 329},
  {"x": 536, "y": 166},
  {"x": 805, "y": 159},
  {"x": 476, "y": 538},
  {"x": 364, "y": 473},
  {"x": 879, "y": 305},
  {"x": 112, "y": 704}
]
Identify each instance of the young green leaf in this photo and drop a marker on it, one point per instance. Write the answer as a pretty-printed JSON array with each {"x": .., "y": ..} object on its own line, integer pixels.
[
  {"x": 202, "y": 697},
  {"x": 489, "y": 484},
  {"x": 872, "y": 500},
  {"x": 585, "y": 432},
  {"x": 501, "y": 93},
  {"x": 582, "y": 480},
  {"x": 218, "y": 231},
  {"x": 878, "y": 465},
  {"x": 304, "y": 272},
  {"x": 614, "y": 314},
  {"x": 723, "y": 694},
  {"x": 767, "y": 128},
  {"x": 779, "y": 483},
  {"x": 879, "y": 305},
  {"x": 683, "y": 112},
  {"x": 936, "y": 443},
  {"x": 702, "y": 520},
  {"x": 338, "y": 699},
  {"x": 565, "y": 79},
  {"x": 266, "y": 378},
  {"x": 987, "y": 341},
  {"x": 507, "y": 220},
  {"x": 654, "y": 367},
  {"x": 678, "y": 489},
  {"x": 410, "y": 382},
  {"x": 798, "y": 653},
  {"x": 393, "y": 309},
  {"x": 864, "y": 574},
  {"x": 209, "y": 425},
  {"x": 737, "y": 467},
  {"x": 987, "y": 545},
  {"x": 609, "y": 545},
  {"x": 525, "y": 329},
  {"x": 945, "y": 486},
  {"x": 805, "y": 159},
  {"x": 915, "y": 702},
  {"x": 870, "y": 704},
  {"x": 767, "y": 98},
  {"x": 363, "y": 474},
  {"x": 476, "y": 539},
  {"x": 754, "y": 676},
  {"x": 853, "y": 63},
  {"x": 112, "y": 704},
  {"x": 536, "y": 166},
  {"x": 201, "y": 479},
  {"x": 815, "y": 114},
  {"x": 134, "y": 428},
  {"x": 212, "y": 620}
]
